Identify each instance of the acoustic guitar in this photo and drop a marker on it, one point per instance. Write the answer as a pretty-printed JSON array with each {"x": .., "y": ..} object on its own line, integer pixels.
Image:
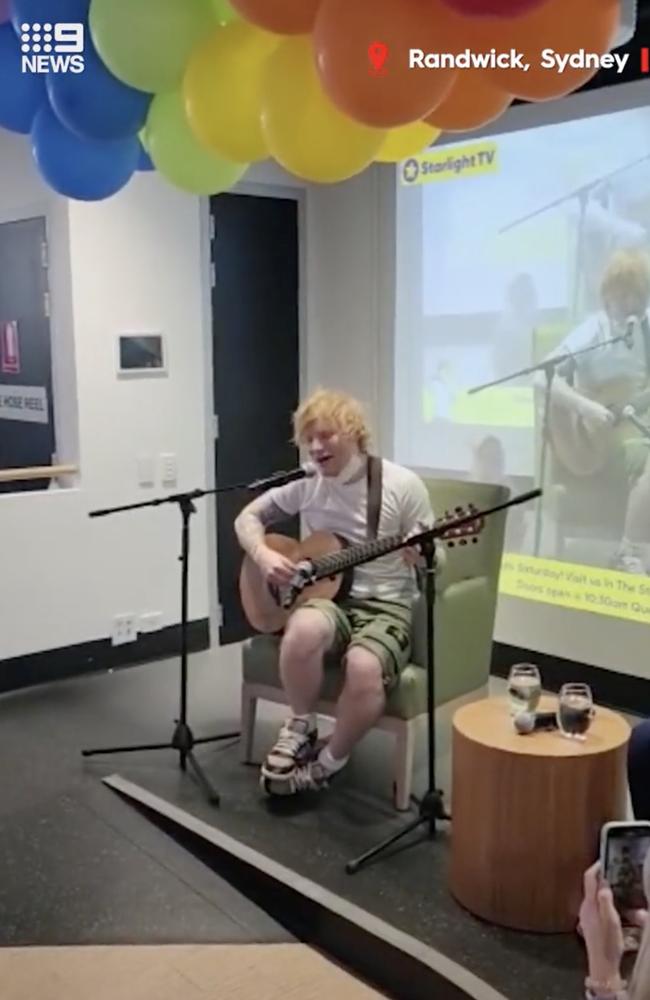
[
  {"x": 583, "y": 450},
  {"x": 325, "y": 564}
]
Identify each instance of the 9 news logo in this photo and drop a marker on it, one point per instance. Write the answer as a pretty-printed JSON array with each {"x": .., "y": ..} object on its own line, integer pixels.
[{"x": 52, "y": 48}]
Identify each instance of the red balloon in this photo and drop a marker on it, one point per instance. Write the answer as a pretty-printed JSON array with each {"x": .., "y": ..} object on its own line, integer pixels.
[
  {"x": 362, "y": 54},
  {"x": 284, "y": 17},
  {"x": 493, "y": 8}
]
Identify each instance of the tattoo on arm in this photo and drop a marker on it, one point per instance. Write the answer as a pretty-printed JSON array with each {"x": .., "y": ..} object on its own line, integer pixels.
[{"x": 250, "y": 525}]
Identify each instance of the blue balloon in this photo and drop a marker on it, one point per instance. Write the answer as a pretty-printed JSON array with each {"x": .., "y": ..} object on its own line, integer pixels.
[
  {"x": 84, "y": 169},
  {"x": 21, "y": 94},
  {"x": 95, "y": 104},
  {"x": 42, "y": 12},
  {"x": 145, "y": 162}
]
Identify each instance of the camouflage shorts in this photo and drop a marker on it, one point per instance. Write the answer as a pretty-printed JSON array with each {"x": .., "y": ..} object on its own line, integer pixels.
[{"x": 383, "y": 627}]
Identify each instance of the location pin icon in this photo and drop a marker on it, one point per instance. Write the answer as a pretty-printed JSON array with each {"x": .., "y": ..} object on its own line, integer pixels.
[{"x": 377, "y": 54}]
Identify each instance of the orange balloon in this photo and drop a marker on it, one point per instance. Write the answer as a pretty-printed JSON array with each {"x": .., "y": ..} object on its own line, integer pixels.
[
  {"x": 557, "y": 26},
  {"x": 472, "y": 101},
  {"x": 362, "y": 53},
  {"x": 304, "y": 131},
  {"x": 588, "y": 25},
  {"x": 285, "y": 17}
]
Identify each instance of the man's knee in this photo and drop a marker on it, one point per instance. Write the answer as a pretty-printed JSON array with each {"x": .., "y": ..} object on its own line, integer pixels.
[
  {"x": 308, "y": 632},
  {"x": 363, "y": 671}
]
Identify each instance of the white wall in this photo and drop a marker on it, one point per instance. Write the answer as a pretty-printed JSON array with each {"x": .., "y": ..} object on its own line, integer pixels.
[
  {"x": 132, "y": 263},
  {"x": 349, "y": 310},
  {"x": 137, "y": 262}
]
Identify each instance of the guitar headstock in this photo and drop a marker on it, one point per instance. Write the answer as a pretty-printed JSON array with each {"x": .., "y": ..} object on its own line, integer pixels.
[{"x": 461, "y": 534}]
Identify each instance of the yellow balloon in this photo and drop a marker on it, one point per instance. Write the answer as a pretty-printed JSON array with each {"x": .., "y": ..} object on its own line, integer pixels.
[
  {"x": 408, "y": 140},
  {"x": 177, "y": 154},
  {"x": 223, "y": 90},
  {"x": 304, "y": 130}
]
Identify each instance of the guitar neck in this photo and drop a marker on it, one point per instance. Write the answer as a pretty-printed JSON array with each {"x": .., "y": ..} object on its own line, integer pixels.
[{"x": 355, "y": 555}]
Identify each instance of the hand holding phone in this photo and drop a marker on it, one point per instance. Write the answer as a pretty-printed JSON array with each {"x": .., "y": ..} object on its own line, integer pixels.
[{"x": 623, "y": 850}]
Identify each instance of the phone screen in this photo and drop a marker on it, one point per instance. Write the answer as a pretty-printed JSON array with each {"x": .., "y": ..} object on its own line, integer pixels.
[{"x": 626, "y": 851}]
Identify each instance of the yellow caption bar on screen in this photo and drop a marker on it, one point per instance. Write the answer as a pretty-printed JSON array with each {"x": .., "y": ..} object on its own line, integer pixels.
[
  {"x": 501, "y": 406},
  {"x": 443, "y": 165},
  {"x": 583, "y": 588},
  {"x": 498, "y": 407}
]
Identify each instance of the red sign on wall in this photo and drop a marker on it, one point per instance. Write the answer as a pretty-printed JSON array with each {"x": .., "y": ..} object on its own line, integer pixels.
[{"x": 9, "y": 349}]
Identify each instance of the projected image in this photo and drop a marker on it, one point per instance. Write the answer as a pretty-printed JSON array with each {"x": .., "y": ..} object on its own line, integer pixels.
[{"x": 543, "y": 255}]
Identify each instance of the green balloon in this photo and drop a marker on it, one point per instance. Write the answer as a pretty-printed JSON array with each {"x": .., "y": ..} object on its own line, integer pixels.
[
  {"x": 147, "y": 43},
  {"x": 224, "y": 11},
  {"x": 179, "y": 156}
]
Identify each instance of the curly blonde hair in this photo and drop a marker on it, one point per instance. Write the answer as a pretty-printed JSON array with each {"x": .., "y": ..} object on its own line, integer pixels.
[
  {"x": 627, "y": 273},
  {"x": 337, "y": 409}
]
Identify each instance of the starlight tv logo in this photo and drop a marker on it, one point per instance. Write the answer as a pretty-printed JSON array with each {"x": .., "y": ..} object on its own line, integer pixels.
[{"x": 52, "y": 48}]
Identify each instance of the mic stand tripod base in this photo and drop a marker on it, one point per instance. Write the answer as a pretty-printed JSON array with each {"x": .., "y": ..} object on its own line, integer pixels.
[
  {"x": 432, "y": 811},
  {"x": 182, "y": 740}
]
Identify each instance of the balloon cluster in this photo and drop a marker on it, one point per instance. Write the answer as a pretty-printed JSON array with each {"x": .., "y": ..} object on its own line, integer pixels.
[{"x": 200, "y": 89}]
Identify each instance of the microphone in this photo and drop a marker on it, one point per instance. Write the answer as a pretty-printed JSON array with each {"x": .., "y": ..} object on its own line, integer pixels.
[
  {"x": 530, "y": 722},
  {"x": 306, "y": 471}
]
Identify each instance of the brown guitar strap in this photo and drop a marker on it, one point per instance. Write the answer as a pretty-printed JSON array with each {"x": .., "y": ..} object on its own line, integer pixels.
[{"x": 375, "y": 469}]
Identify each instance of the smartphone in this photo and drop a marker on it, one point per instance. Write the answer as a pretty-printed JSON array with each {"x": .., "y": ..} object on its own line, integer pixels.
[{"x": 623, "y": 850}]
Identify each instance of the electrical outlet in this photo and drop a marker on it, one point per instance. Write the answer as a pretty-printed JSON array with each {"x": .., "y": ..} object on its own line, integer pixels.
[
  {"x": 124, "y": 630},
  {"x": 145, "y": 469},
  {"x": 168, "y": 470},
  {"x": 151, "y": 621}
]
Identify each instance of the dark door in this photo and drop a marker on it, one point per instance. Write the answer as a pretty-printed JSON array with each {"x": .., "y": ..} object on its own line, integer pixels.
[
  {"x": 255, "y": 328},
  {"x": 26, "y": 409}
]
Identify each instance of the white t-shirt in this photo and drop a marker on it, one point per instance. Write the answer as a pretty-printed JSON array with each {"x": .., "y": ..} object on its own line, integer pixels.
[
  {"x": 610, "y": 362},
  {"x": 339, "y": 504}
]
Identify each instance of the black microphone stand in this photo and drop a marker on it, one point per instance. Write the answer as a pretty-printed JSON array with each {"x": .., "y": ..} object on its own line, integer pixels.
[
  {"x": 432, "y": 807},
  {"x": 582, "y": 193},
  {"x": 549, "y": 367},
  {"x": 183, "y": 739}
]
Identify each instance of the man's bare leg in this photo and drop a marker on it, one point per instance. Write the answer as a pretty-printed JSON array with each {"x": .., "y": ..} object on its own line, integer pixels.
[
  {"x": 361, "y": 704},
  {"x": 637, "y": 521},
  {"x": 308, "y": 635}
]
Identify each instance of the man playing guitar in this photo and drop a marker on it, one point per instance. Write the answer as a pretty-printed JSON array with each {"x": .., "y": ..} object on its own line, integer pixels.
[
  {"x": 372, "y": 625},
  {"x": 590, "y": 392}
]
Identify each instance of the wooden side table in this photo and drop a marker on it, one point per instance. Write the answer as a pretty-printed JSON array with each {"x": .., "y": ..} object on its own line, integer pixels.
[{"x": 527, "y": 813}]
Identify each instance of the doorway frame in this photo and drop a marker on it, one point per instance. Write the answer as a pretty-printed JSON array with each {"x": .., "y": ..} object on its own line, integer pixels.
[
  {"x": 256, "y": 189},
  {"x": 55, "y": 214}
]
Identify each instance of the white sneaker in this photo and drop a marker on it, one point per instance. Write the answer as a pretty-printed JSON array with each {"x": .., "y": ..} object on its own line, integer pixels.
[{"x": 294, "y": 747}]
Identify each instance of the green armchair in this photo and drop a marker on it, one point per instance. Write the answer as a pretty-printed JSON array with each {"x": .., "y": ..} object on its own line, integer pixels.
[{"x": 466, "y": 595}]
